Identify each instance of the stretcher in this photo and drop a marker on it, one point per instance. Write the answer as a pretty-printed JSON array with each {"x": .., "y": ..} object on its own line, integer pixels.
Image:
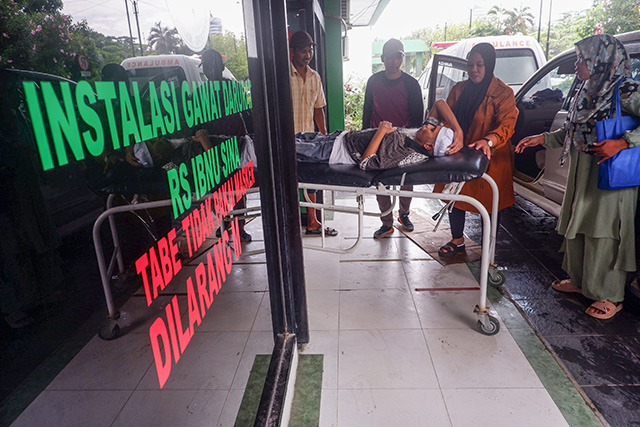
[{"x": 464, "y": 166}]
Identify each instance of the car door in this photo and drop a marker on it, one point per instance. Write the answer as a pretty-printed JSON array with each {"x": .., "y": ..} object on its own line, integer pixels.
[
  {"x": 71, "y": 204},
  {"x": 543, "y": 103},
  {"x": 446, "y": 71}
]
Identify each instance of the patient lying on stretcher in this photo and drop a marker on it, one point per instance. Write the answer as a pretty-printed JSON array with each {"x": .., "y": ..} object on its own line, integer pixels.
[{"x": 385, "y": 147}]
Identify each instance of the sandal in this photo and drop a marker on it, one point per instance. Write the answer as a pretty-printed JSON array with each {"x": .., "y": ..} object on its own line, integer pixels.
[
  {"x": 565, "y": 285},
  {"x": 327, "y": 232},
  {"x": 604, "y": 309},
  {"x": 450, "y": 249}
]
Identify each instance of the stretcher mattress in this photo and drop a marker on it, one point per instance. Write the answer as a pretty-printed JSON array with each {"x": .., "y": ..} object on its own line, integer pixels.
[{"x": 465, "y": 165}]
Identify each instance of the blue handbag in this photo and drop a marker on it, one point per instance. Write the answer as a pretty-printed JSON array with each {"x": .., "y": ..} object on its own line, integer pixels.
[{"x": 623, "y": 169}]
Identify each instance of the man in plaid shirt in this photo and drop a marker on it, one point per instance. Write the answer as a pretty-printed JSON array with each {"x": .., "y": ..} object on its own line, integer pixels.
[{"x": 307, "y": 95}]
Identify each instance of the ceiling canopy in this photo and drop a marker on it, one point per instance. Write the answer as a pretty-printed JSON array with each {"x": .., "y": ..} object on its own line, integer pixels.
[{"x": 362, "y": 13}]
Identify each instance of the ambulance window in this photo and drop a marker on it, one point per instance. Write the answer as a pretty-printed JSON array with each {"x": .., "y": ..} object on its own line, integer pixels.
[{"x": 515, "y": 66}]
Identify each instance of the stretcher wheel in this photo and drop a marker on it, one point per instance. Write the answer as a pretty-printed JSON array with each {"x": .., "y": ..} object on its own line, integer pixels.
[
  {"x": 492, "y": 327},
  {"x": 496, "y": 278},
  {"x": 109, "y": 331}
]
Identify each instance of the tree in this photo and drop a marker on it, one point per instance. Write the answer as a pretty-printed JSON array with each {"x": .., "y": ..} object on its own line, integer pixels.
[
  {"x": 163, "y": 39},
  {"x": 50, "y": 6},
  {"x": 611, "y": 17},
  {"x": 452, "y": 32},
  {"x": 234, "y": 51},
  {"x": 353, "y": 104},
  {"x": 113, "y": 49},
  {"x": 487, "y": 26},
  {"x": 564, "y": 33},
  {"x": 514, "y": 21},
  {"x": 35, "y": 36}
]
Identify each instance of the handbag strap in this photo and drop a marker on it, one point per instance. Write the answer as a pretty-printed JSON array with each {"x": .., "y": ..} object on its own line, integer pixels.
[{"x": 615, "y": 100}]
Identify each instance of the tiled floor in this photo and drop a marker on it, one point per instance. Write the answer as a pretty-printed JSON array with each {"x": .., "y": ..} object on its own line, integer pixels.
[
  {"x": 392, "y": 356},
  {"x": 602, "y": 356}
]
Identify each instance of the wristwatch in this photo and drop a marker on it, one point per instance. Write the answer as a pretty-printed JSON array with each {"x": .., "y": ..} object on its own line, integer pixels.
[{"x": 489, "y": 142}]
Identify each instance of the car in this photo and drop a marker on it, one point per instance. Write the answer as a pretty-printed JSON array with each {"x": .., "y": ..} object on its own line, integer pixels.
[
  {"x": 69, "y": 201},
  {"x": 517, "y": 57},
  {"x": 543, "y": 102}
]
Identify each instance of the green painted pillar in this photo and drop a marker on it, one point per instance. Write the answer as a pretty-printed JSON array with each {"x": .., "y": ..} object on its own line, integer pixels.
[
  {"x": 418, "y": 63},
  {"x": 333, "y": 51}
]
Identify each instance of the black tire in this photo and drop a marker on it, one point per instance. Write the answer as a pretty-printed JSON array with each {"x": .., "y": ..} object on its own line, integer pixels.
[
  {"x": 496, "y": 278},
  {"x": 492, "y": 329},
  {"x": 109, "y": 331}
]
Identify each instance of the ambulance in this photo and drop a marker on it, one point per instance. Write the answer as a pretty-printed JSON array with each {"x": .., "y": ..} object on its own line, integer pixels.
[
  {"x": 173, "y": 67},
  {"x": 517, "y": 58}
]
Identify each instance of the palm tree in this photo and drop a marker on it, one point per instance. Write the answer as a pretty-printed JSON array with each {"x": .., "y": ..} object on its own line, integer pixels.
[
  {"x": 518, "y": 20},
  {"x": 514, "y": 21},
  {"x": 162, "y": 39}
]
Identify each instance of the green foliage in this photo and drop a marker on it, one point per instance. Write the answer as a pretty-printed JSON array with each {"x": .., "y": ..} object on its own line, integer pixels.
[
  {"x": 452, "y": 32},
  {"x": 38, "y": 41},
  {"x": 455, "y": 31},
  {"x": 353, "y": 104},
  {"x": 234, "y": 51},
  {"x": 514, "y": 21},
  {"x": 114, "y": 49},
  {"x": 488, "y": 26},
  {"x": 163, "y": 39},
  {"x": 34, "y": 35},
  {"x": 611, "y": 17},
  {"x": 49, "y": 6},
  {"x": 564, "y": 33}
]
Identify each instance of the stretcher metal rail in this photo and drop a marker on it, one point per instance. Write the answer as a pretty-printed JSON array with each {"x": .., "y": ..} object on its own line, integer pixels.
[{"x": 464, "y": 166}]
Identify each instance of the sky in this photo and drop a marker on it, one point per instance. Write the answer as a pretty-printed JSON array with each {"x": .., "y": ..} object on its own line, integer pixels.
[{"x": 399, "y": 19}]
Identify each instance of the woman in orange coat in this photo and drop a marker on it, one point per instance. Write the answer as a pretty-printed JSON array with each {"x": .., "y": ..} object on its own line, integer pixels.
[{"x": 486, "y": 110}]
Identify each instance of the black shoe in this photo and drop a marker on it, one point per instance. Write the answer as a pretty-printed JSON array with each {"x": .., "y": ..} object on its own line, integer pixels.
[
  {"x": 406, "y": 222},
  {"x": 244, "y": 236},
  {"x": 383, "y": 232}
]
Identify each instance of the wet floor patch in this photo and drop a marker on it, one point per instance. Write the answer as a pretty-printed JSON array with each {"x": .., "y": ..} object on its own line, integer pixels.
[{"x": 602, "y": 356}]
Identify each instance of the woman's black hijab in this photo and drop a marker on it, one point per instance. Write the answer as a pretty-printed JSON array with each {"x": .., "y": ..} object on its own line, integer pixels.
[{"x": 473, "y": 94}]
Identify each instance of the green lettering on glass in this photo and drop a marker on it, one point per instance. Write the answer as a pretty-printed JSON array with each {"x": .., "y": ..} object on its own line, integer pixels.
[
  {"x": 106, "y": 92},
  {"x": 249, "y": 98},
  {"x": 184, "y": 183},
  {"x": 33, "y": 104},
  {"x": 212, "y": 170},
  {"x": 129, "y": 125},
  {"x": 186, "y": 104},
  {"x": 145, "y": 129},
  {"x": 236, "y": 98},
  {"x": 62, "y": 122},
  {"x": 236, "y": 151},
  {"x": 203, "y": 92},
  {"x": 169, "y": 119},
  {"x": 95, "y": 146},
  {"x": 227, "y": 98},
  {"x": 200, "y": 179},
  {"x": 216, "y": 87},
  {"x": 156, "y": 114},
  {"x": 175, "y": 106},
  {"x": 197, "y": 111},
  {"x": 174, "y": 191}
]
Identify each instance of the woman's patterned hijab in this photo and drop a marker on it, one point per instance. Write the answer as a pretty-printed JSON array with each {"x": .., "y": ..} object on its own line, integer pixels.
[{"x": 607, "y": 62}]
